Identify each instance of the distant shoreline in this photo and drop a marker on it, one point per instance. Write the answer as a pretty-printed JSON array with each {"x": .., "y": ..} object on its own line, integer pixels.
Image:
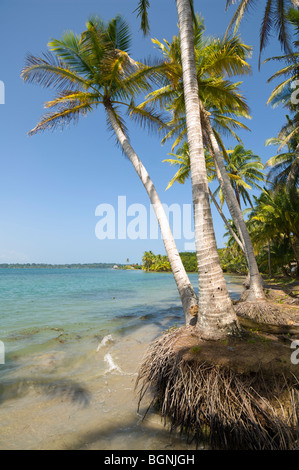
[{"x": 59, "y": 266}]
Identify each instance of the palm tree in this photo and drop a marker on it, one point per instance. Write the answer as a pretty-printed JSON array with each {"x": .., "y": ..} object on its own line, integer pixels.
[
  {"x": 219, "y": 100},
  {"x": 95, "y": 69},
  {"x": 285, "y": 93},
  {"x": 148, "y": 259},
  {"x": 245, "y": 169},
  {"x": 221, "y": 97},
  {"x": 217, "y": 315},
  {"x": 285, "y": 165},
  {"x": 284, "y": 169},
  {"x": 275, "y": 18},
  {"x": 276, "y": 217},
  {"x": 217, "y": 324},
  {"x": 182, "y": 160},
  {"x": 255, "y": 291}
]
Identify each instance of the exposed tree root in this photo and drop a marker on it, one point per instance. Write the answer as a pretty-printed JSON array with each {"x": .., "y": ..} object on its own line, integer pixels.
[
  {"x": 265, "y": 312},
  {"x": 234, "y": 394},
  {"x": 268, "y": 311}
]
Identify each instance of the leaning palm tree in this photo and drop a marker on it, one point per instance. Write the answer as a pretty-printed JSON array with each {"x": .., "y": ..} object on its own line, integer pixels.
[
  {"x": 196, "y": 395},
  {"x": 216, "y": 62},
  {"x": 217, "y": 315},
  {"x": 196, "y": 119},
  {"x": 220, "y": 101},
  {"x": 95, "y": 70}
]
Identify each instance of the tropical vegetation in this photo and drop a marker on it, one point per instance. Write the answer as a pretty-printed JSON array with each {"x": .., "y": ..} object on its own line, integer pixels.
[{"x": 160, "y": 263}]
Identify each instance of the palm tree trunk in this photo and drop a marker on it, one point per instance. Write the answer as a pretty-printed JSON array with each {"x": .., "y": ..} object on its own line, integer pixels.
[
  {"x": 237, "y": 193},
  {"x": 269, "y": 259},
  {"x": 293, "y": 177},
  {"x": 188, "y": 297},
  {"x": 256, "y": 291},
  {"x": 231, "y": 231},
  {"x": 295, "y": 247},
  {"x": 216, "y": 314}
]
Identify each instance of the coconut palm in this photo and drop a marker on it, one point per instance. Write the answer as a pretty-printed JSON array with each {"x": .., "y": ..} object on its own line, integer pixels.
[
  {"x": 220, "y": 96},
  {"x": 284, "y": 167},
  {"x": 195, "y": 113},
  {"x": 245, "y": 169},
  {"x": 219, "y": 101},
  {"x": 148, "y": 259},
  {"x": 217, "y": 315},
  {"x": 274, "y": 20},
  {"x": 276, "y": 216},
  {"x": 182, "y": 160},
  {"x": 286, "y": 92},
  {"x": 95, "y": 69}
]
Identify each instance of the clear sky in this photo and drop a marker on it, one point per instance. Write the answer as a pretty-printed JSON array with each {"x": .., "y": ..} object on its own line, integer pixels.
[{"x": 52, "y": 183}]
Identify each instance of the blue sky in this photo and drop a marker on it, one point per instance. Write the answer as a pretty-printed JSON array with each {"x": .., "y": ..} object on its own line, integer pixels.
[{"x": 52, "y": 183}]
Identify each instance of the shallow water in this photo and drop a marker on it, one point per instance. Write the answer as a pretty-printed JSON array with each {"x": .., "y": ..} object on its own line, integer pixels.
[{"x": 73, "y": 341}]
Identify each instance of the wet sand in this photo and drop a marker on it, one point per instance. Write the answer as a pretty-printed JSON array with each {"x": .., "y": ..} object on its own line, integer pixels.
[{"x": 94, "y": 407}]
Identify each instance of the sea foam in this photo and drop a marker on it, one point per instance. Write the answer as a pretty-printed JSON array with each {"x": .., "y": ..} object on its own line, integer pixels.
[
  {"x": 112, "y": 366},
  {"x": 106, "y": 340}
]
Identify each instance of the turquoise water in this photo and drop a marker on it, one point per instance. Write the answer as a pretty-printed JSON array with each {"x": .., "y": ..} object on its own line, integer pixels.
[
  {"x": 73, "y": 341},
  {"x": 37, "y": 305}
]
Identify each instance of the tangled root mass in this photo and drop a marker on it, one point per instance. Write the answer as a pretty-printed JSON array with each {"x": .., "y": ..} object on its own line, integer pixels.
[{"x": 225, "y": 406}]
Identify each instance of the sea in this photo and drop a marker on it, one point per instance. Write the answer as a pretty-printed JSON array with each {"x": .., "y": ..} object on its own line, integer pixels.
[{"x": 71, "y": 343}]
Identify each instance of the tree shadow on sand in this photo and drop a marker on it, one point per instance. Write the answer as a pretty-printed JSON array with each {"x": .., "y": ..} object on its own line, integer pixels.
[
  {"x": 68, "y": 389},
  {"x": 133, "y": 434}
]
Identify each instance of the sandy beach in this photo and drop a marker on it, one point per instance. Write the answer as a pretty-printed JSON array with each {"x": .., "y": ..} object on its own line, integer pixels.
[{"x": 100, "y": 415}]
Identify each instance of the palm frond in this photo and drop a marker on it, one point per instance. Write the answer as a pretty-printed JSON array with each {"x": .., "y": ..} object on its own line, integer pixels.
[
  {"x": 282, "y": 25},
  {"x": 93, "y": 43},
  {"x": 266, "y": 26},
  {"x": 238, "y": 15},
  {"x": 226, "y": 58},
  {"x": 61, "y": 118},
  {"x": 118, "y": 32},
  {"x": 69, "y": 97},
  {"x": 142, "y": 12},
  {"x": 69, "y": 50},
  {"x": 49, "y": 71},
  {"x": 147, "y": 116}
]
